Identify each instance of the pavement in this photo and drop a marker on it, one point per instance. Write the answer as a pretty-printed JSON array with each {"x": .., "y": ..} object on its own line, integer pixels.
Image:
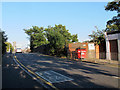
[
  {"x": 74, "y": 74},
  {"x": 111, "y": 63},
  {"x": 13, "y": 77}
]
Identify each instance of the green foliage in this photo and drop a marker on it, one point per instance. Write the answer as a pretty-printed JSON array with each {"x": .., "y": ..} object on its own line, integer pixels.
[
  {"x": 113, "y": 6},
  {"x": 37, "y": 36},
  {"x": 57, "y": 37},
  {"x": 9, "y": 46},
  {"x": 97, "y": 37},
  {"x": 74, "y": 38},
  {"x": 56, "y": 40},
  {"x": 113, "y": 27},
  {"x": 4, "y": 39},
  {"x": 114, "y": 24},
  {"x": 62, "y": 29}
]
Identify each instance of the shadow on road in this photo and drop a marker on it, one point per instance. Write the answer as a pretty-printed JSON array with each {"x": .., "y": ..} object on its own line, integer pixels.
[
  {"x": 14, "y": 77},
  {"x": 75, "y": 70}
]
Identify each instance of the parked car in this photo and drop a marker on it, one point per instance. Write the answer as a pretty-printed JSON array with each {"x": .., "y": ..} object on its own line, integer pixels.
[{"x": 18, "y": 50}]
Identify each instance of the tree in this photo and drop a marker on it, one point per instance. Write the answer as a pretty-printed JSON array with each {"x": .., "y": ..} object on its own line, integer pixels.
[
  {"x": 4, "y": 39},
  {"x": 97, "y": 37},
  {"x": 58, "y": 38},
  {"x": 36, "y": 36},
  {"x": 74, "y": 38},
  {"x": 9, "y": 46},
  {"x": 114, "y": 24},
  {"x": 64, "y": 32}
]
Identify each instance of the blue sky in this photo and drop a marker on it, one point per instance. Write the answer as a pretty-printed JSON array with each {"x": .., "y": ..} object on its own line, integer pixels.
[{"x": 78, "y": 17}]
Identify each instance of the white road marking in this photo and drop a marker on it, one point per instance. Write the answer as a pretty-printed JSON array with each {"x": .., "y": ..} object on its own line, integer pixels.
[
  {"x": 53, "y": 77},
  {"x": 116, "y": 77},
  {"x": 30, "y": 74}
]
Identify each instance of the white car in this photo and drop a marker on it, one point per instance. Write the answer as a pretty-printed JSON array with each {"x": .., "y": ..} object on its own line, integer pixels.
[{"x": 18, "y": 50}]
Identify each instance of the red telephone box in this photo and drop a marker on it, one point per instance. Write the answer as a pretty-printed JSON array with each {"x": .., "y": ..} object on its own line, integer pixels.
[
  {"x": 81, "y": 53},
  {"x": 78, "y": 53}
]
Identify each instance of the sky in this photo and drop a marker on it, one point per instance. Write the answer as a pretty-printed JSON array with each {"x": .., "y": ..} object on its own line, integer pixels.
[{"x": 78, "y": 17}]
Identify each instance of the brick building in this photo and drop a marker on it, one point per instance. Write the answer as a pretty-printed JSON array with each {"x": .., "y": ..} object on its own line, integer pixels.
[
  {"x": 92, "y": 50},
  {"x": 73, "y": 46}
]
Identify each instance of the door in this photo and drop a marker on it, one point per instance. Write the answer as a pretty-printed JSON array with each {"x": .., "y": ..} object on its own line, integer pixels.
[{"x": 114, "y": 49}]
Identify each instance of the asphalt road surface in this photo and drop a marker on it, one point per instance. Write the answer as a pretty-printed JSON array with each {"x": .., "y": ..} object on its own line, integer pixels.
[
  {"x": 14, "y": 77},
  {"x": 61, "y": 73}
]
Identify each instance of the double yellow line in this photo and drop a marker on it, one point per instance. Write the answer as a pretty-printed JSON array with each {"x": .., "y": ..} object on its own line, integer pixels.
[{"x": 48, "y": 83}]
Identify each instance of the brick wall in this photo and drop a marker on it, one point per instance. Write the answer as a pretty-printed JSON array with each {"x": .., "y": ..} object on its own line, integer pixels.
[
  {"x": 73, "y": 46},
  {"x": 99, "y": 52}
]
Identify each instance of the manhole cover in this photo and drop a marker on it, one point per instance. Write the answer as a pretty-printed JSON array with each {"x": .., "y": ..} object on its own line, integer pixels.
[{"x": 53, "y": 77}]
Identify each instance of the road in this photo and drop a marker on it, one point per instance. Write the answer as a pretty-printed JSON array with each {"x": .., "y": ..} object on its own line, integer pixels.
[
  {"x": 64, "y": 73},
  {"x": 15, "y": 77}
]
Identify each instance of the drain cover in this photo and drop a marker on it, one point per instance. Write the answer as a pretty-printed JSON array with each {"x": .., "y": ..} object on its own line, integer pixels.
[{"x": 53, "y": 77}]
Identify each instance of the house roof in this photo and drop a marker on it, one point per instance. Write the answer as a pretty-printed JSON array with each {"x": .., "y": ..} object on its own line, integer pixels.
[{"x": 113, "y": 32}]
